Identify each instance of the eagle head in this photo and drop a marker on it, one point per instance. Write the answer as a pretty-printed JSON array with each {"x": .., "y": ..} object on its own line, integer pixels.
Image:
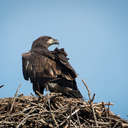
[{"x": 44, "y": 41}]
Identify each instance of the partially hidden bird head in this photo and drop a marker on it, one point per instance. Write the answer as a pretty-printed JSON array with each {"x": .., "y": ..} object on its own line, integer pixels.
[{"x": 44, "y": 41}]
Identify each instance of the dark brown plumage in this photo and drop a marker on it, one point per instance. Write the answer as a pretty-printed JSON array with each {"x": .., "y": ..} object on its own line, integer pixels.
[{"x": 48, "y": 68}]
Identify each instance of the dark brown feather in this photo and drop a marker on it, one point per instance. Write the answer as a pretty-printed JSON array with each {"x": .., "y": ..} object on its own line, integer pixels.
[
  {"x": 36, "y": 66},
  {"x": 61, "y": 58}
]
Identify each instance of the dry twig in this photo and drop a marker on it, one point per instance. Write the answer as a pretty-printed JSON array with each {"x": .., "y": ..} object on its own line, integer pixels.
[
  {"x": 15, "y": 98},
  {"x": 91, "y": 102}
]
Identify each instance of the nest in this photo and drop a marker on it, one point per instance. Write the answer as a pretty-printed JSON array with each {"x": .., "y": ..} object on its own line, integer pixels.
[{"x": 57, "y": 111}]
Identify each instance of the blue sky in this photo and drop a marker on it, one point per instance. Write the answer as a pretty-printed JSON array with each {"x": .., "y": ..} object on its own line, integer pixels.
[{"x": 93, "y": 32}]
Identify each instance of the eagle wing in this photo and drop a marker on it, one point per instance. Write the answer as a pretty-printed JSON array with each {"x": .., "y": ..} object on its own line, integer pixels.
[
  {"x": 36, "y": 66},
  {"x": 61, "y": 58}
]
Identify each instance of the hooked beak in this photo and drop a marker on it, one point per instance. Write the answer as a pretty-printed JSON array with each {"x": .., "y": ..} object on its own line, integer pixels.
[
  {"x": 55, "y": 41},
  {"x": 52, "y": 41}
]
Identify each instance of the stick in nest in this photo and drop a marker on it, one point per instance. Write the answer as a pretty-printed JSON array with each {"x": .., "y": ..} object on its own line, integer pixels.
[
  {"x": 91, "y": 102},
  {"x": 53, "y": 117},
  {"x": 69, "y": 116},
  {"x": 78, "y": 120},
  {"x": 39, "y": 94},
  {"x": 15, "y": 97}
]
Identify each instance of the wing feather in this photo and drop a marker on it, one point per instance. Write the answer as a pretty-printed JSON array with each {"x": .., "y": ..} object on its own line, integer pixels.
[
  {"x": 35, "y": 67},
  {"x": 61, "y": 58},
  {"x": 25, "y": 65}
]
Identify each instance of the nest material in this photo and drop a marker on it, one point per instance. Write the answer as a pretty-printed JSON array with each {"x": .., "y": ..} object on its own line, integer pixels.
[{"x": 56, "y": 111}]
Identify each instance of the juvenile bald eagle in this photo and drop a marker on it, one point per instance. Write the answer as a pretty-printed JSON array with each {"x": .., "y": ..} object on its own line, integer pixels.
[{"x": 48, "y": 68}]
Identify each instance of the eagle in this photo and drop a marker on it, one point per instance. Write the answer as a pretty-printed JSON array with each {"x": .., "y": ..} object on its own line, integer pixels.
[{"x": 45, "y": 68}]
